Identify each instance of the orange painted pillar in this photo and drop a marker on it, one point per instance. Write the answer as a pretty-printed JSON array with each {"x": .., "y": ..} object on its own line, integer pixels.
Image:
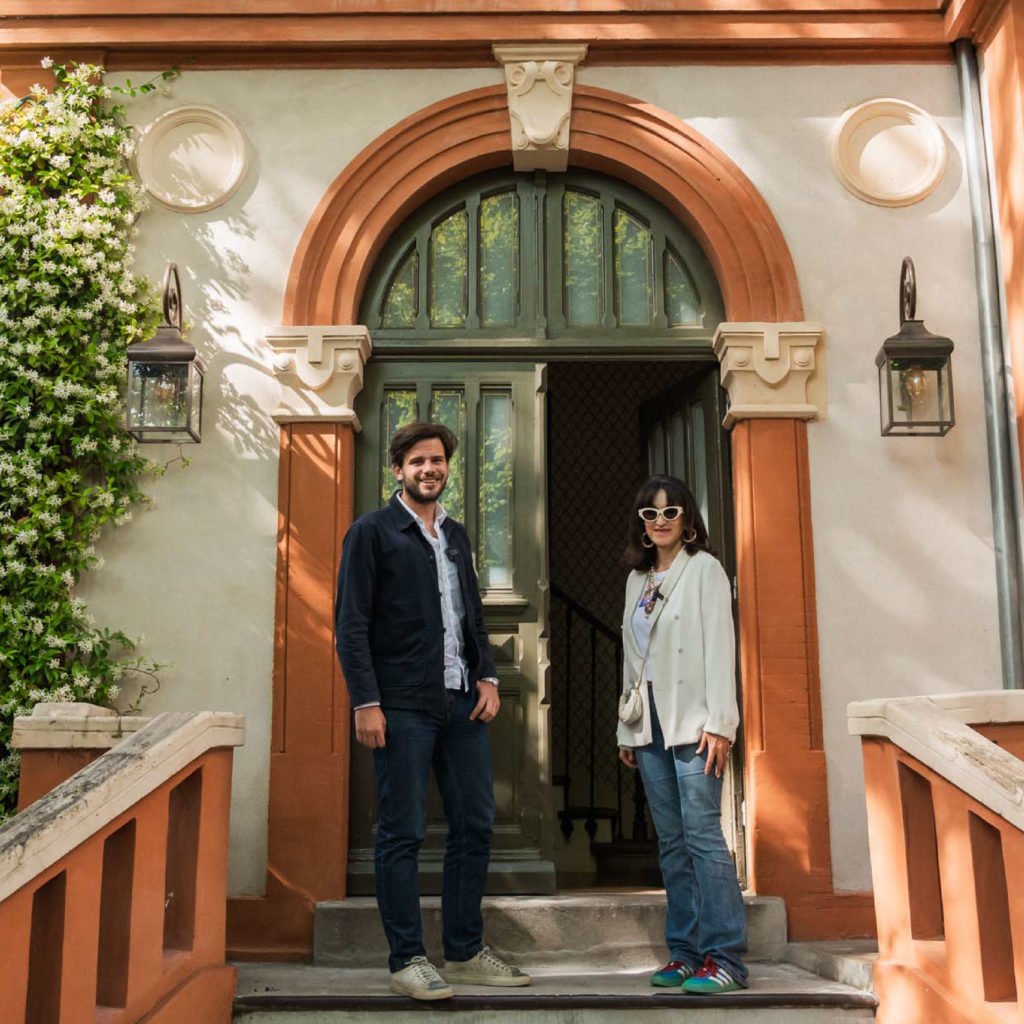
[
  {"x": 308, "y": 815},
  {"x": 1002, "y": 53},
  {"x": 785, "y": 787}
]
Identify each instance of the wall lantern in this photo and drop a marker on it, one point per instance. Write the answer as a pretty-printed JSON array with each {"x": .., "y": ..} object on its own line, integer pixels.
[
  {"x": 165, "y": 379},
  {"x": 915, "y": 379}
]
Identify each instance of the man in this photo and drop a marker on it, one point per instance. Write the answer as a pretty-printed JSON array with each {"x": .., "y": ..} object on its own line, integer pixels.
[{"x": 412, "y": 644}]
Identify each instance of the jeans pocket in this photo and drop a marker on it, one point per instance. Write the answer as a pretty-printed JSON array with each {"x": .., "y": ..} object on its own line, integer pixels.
[{"x": 688, "y": 761}]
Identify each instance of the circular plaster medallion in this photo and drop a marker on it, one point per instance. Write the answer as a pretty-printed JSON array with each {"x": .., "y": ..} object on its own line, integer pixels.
[
  {"x": 193, "y": 158},
  {"x": 889, "y": 152}
]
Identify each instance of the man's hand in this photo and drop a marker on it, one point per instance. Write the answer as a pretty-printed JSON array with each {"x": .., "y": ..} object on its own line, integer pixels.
[
  {"x": 718, "y": 752},
  {"x": 370, "y": 726},
  {"x": 488, "y": 704},
  {"x": 627, "y": 755}
]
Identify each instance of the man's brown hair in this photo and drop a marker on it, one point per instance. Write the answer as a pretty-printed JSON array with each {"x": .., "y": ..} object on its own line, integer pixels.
[{"x": 413, "y": 433}]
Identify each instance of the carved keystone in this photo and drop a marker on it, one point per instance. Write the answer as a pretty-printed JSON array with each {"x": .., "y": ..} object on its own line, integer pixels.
[
  {"x": 772, "y": 371},
  {"x": 320, "y": 370},
  {"x": 539, "y": 80}
]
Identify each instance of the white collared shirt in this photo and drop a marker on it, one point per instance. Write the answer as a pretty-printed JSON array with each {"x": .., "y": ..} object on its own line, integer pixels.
[{"x": 456, "y": 669}]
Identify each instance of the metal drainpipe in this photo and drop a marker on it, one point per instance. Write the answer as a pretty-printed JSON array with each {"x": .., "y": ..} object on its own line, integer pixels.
[{"x": 1000, "y": 424}]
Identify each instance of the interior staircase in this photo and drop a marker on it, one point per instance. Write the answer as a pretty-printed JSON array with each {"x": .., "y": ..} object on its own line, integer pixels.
[{"x": 590, "y": 954}]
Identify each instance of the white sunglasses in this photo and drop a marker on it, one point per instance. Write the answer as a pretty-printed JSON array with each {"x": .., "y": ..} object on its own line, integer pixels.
[{"x": 669, "y": 513}]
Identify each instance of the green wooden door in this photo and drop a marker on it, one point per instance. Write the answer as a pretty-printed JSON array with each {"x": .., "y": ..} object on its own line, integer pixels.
[
  {"x": 497, "y": 488},
  {"x": 683, "y": 437}
]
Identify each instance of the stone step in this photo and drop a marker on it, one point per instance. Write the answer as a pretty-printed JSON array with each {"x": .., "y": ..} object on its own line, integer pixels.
[
  {"x": 593, "y": 929},
  {"x": 778, "y": 994},
  {"x": 850, "y": 961}
]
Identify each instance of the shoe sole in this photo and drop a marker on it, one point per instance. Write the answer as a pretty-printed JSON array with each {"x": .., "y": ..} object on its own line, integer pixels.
[
  {"x": 666, "y": 984},
  {"x": 486, "y": 980},
  {"x": 717, "y": 990},
  {"x": 425, "y": 994}
]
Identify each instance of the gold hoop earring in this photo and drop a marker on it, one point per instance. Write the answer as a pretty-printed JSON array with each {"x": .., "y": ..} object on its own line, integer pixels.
[
  {"x": 646, "y": 541},
  {"x": 689, "y": 536}
]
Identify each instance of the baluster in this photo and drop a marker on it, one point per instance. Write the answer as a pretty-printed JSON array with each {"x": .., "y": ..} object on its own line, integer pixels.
[
  {"x": 567, "y": 825},
  {"x": 591, "y": 818}
]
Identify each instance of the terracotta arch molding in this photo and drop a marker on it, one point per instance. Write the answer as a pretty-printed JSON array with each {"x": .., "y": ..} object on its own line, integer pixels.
[{"x": 611, "y": 133}]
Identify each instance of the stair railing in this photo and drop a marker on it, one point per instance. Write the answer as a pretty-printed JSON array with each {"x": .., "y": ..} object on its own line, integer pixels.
[
  {"x": 113, "y": 884},
  {"x": 944, "y": 780},
  {"x": 591, "y": 813}
]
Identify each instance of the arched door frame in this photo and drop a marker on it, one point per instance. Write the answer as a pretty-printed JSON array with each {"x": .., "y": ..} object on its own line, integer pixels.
[{"x": 619, "y": 136}]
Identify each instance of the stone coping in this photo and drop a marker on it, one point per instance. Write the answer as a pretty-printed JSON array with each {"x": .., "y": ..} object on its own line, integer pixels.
[
  {"x": 937, "y": 732},
  {"x": 73, "y": 726},
  {"x": 77, "y": 809}
]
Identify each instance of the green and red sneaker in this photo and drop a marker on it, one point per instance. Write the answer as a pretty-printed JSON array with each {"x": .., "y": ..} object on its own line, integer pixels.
[
  {"x": 710, "y": 980},
  {"x": 672, "y": 975}
]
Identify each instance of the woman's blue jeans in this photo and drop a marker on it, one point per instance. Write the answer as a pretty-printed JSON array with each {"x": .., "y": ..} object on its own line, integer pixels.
[
  {"x": 706, "y": 916},
  {"x": 459, "y": 753}
]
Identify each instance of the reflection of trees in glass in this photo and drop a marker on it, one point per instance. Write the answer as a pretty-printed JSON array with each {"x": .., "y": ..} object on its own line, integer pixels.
[
  {"x": 399, "y": 408},
  {"x": 449, "y": 263},
  {"x": 499, "y": 259},
  {"x": 682, "y": 306},
  {"x": 582, "y": 246},
  {"x": 450, "y": 409},
  {"x": 632, "y": 248},
  {"x": 402, "y": 302},
  {"x": 495, "y": 538}
]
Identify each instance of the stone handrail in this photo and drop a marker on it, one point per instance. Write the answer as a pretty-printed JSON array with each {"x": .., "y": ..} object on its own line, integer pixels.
[
  {"x": 113, "y": 883},
  {"x": 944, "y": 782},
  {"x": 937, "y": 732}
]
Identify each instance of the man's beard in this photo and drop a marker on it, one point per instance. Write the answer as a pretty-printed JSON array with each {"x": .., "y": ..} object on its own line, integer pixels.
[{"x": 413, "y": 490}]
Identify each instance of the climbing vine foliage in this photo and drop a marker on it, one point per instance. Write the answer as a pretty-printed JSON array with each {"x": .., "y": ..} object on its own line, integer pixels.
[{"x": 69, "y": 307}]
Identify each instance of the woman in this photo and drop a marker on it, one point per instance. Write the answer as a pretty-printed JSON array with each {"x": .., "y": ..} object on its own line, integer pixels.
[{"x": 678, "y": 640}]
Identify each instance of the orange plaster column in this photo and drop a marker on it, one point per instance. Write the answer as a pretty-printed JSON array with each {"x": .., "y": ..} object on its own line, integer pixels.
[
  {"x": 770, "y": 373},
  {"x": 320, "y": 370},
  {"x": 1002, "y": 51}
]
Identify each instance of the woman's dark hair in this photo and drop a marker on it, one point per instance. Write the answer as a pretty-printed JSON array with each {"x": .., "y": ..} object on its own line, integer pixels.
[
  {"x": 413, "y": 433},
  {"x": 676, "y": 493}
]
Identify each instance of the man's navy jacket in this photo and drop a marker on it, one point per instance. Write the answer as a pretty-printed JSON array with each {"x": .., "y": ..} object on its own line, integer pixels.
[{"x": 387, "y": 617}]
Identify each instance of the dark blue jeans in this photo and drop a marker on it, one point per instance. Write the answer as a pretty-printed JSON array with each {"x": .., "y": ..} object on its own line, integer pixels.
[
  {"x": 706, "y": 916},
  {"x": 459, "y": 752}
]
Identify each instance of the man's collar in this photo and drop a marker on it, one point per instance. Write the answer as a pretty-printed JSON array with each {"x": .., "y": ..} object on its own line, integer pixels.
[{"x": 440, "y": 515}]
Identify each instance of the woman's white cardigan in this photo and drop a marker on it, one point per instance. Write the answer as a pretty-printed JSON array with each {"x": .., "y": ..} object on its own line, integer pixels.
[{"x": 692, "y": 659}]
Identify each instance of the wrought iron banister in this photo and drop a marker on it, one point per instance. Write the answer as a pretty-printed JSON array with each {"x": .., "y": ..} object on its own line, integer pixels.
[{"x": 592, "y": 812}]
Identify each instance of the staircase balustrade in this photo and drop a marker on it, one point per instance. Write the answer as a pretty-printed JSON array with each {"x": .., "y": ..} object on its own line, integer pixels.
[
  {"x": 945, "y": 798},
  {"x": 113, "y": 885},
  {"x": 599, "y": 635}
]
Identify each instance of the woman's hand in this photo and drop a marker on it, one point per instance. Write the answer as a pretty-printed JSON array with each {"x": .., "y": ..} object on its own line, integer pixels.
[
  {"x": 627, "y": 757},
  {"x": 718, "y": 748}
]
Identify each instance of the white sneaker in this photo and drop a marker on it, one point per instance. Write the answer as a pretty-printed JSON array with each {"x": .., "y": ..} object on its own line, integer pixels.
[
  {"x": 419, "y": 979},
  {"x": 485, "y": 968}
]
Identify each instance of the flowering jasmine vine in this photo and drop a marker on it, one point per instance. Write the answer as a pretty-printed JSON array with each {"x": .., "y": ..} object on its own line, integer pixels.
[{"x": 69, "y": 307}]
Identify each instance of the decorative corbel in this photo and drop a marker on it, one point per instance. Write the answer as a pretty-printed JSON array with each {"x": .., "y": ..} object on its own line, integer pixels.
[
  {"x": 320, "y": 370},
  {"x": 539, "y": 79},
  {"x": 772, "y": 371}
]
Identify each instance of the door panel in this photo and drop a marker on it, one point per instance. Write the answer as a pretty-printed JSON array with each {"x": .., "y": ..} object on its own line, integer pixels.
[
  {"x": 497, "y": 489},
  {"x": 683, "y": 437}
]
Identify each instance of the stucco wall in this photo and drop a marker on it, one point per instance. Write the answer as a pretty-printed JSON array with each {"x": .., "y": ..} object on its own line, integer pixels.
[{"x": 902, "y": 527}]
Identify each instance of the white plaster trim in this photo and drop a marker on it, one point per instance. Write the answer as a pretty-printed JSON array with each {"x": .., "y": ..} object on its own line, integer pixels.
[
  {"x": 73, "y": 726},
  {"x": 936, "y": 731},
  {"x": 223, "y": 164},
  {"x": 320, "y": 369},
  {"x": 77, "y": 809},
  {"x": 772, "y": 370},
  {"x": 539, "y": 79},
  {"x": 885, "y": 180}
]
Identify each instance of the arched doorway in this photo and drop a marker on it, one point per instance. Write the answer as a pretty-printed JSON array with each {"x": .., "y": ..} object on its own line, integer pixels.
[
  {"x": 518, "y": 309},
  {"x": 620, "y": 136}
]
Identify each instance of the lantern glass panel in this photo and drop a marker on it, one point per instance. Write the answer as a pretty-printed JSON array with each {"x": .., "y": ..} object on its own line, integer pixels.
[
  {"x": 917, "y": 395},
  {"x": 158, "y": 395}
]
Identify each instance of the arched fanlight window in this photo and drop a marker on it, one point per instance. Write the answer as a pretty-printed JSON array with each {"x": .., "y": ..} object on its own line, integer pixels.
[{"x": 571, "y": 256}]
